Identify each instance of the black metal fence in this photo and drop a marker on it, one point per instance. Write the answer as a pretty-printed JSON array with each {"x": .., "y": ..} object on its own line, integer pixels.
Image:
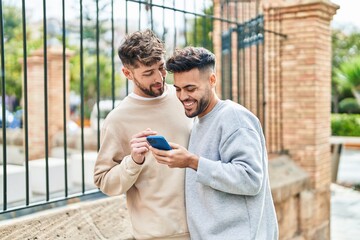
[{"x": 92, "y": 30}]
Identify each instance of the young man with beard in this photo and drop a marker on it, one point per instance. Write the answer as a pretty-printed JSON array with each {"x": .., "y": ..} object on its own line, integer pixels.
[
  {"x": 227, "y": 187},
  {"x": 154, "y": 192}
]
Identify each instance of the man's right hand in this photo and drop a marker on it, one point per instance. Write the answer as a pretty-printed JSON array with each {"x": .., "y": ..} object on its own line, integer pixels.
[{"x": 140, "y": 146}]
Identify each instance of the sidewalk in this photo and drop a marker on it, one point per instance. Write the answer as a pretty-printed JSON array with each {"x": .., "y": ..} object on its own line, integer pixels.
[
  {"x": 345, "y": 202},
  {"x": 345, "y": 213}
]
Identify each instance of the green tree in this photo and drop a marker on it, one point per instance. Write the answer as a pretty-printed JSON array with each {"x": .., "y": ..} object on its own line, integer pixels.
[
  {"x": 11, "y": 20},
  {"x": 90, "y": 59},
  {"x": 349, "y": 73},
  {"x": 201, "y": 30},
  {"x": 13, "y": 49},
  {"x": 90, "y": 79},
  {"x": 345, "y": 46}
]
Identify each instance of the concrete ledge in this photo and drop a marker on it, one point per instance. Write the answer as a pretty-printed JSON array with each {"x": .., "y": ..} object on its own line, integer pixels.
[
  {"x": 56, "y": 178},
  {"x": 286, "y": 178},
  {"x": 15, "y": 180},
  {"x": 108, "y": 218},
  {"x": 105, "y": 218}
]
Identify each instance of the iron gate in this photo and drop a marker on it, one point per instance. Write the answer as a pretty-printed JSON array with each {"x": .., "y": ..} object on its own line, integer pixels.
[{"x": 92, "y": 29}]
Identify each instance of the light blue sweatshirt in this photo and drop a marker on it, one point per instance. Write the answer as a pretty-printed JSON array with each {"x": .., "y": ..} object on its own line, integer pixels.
[{"x": 229, "y": 195}]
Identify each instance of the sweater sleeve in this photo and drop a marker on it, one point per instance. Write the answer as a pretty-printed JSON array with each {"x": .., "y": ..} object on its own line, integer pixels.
[
  {"x": 114, "y": 172},
  {"x": 240, "y": 170}
]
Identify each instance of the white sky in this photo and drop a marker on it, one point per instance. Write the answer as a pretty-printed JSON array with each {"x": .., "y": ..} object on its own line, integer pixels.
[
  {"x": 346, "y": 18},
  {"x": 348, "y": 14}
]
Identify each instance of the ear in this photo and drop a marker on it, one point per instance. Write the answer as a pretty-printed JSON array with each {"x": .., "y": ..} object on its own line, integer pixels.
[
  {"x": 128, "y": 74},
  {"x": 212, "y": 79}
]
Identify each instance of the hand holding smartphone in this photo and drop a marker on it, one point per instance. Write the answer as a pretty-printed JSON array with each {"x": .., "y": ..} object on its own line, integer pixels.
[{"x": 158, "y": 142}]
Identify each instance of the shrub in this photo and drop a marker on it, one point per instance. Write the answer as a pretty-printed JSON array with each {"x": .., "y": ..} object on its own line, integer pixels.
[
  {"x": 345, "y": 125},
  {"x": 349, "y": 105}
]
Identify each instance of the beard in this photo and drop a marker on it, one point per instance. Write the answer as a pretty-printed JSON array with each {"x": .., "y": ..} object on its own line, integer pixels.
[
  {"x": 202, "y": 105},
  {"x": 152, "y": 91}
]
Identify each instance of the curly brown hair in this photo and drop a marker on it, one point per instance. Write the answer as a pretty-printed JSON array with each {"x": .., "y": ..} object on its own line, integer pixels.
[{"x": 141, "y": 47}]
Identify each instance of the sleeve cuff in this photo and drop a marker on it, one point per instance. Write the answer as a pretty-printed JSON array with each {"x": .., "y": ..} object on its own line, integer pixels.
[
  {"x": 132, "y": 167},
  {"x": 204, "y": 171}
]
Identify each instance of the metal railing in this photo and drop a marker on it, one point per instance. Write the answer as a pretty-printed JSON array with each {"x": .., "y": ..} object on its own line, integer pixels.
[{"x": 91, "y": 30}]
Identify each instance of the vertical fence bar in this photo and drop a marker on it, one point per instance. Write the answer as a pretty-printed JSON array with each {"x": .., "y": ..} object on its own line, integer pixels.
[
  {"x": 2, "y": 73},
  {"x": 204, "y": 25},
  {"x": 222, "y": 55},
  {"x": 82, "y": 94},
  {"x": 97, "y": 74},
  {"x": 126, "y": 32},
  {"x": 175, "y": 29},
  {"x": 139, "y": 23},
  {"x": 185, "y": 26},
  {"x": 126, "y": 17},
  {"x": 237, "y": 53},
  {"x": 195, "y": 25},
  {"x": 163, "y": 22},
  {"x": 257, "y": 68},
  {"x": 279, "y": 41},
  {"x": 112, "y": 55},
  {"x": 238, "y": 89},
  {"x": 151, "y": 16},
  {"x": 46, "y": 104},
  {"x": 243, "y": 55},
  {"x": 212, "y": 29},
  {"x": 250, "y": 47},
  {"x": 263, "y": 80},
  {"x": 228, "y": 11},
  {"x": 25, "y": 111},
  {"x": 64, "y": 95}
]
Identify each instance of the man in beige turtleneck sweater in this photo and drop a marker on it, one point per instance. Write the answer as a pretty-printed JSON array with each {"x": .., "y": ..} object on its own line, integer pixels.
[{"x": 154, "y": 192}]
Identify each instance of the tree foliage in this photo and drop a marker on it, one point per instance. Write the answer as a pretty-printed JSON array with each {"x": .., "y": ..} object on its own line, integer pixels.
[
  {"x": 13, "y": 53},
  {"x": 13, "y": 49},
  {"x": 201, "y": 30},
  {"x": 90, "y": 83},
  {"x": 345, "y": 49}
]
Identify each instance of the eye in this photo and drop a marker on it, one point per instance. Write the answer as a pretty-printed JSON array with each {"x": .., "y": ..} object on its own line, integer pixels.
[
  {"x": 148, "y": 74},
  {"x": 191, "y": 89}
]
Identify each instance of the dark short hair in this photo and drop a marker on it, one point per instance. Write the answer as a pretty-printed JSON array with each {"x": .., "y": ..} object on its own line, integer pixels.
[
  {"x": 142, "y": 47},
  {"x": 186, "y": 59}
]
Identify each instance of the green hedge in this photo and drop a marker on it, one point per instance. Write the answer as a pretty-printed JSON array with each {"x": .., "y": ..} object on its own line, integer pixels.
[{"x": 345, "y": 125}]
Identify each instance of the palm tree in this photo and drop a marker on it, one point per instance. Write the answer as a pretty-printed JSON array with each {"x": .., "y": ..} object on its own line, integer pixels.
[{"x": 349, "y": 75}]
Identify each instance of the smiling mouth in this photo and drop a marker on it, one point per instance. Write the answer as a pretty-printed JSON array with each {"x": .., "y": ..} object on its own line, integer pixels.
[
  {"x": 188, "y": 104},
  {"x": 159, "y": 85}
]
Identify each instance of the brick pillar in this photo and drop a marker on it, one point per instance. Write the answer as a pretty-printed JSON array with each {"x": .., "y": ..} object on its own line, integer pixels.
[
  {"x": 305, "y": 106},
  {"x": 36, "y": 101},
  {"x": 217, "y": 45}
]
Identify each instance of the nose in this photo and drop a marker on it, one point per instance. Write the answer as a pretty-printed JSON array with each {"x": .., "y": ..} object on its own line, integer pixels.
[
  {"x": 181, "y": 95},
  {"x": 160, "y": 77}
]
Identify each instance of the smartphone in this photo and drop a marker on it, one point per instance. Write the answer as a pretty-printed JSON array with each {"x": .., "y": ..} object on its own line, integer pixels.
[{"x": 158, "y": 142}]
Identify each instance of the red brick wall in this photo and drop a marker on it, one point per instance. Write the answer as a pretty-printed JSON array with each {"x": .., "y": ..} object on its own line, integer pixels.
[{"x": 298, "y": 92}]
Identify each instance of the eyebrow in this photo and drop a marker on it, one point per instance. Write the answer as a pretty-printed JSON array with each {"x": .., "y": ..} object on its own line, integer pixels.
[
  {"x": 186, "y": 86},
  {"x": 152, "y": 69}
]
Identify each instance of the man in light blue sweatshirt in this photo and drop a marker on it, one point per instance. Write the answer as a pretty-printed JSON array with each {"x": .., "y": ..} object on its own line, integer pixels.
[{"x": 227, "y": 189}]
